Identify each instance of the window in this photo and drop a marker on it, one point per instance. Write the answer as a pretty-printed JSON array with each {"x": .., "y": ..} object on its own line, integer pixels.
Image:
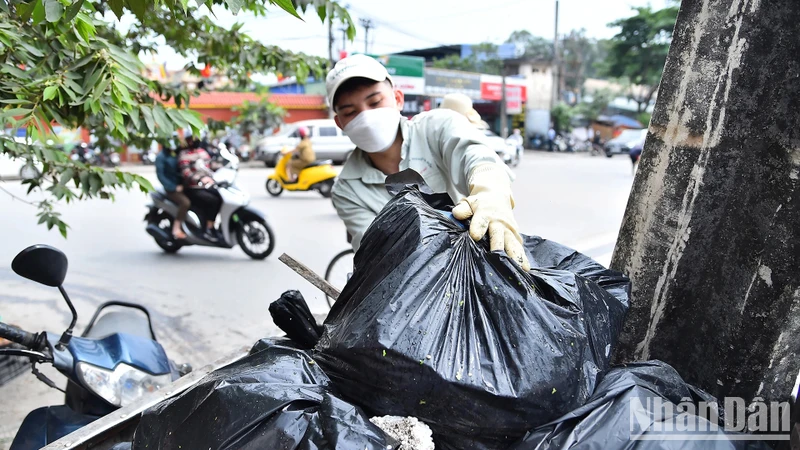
[{"x": 327, "y": 131}]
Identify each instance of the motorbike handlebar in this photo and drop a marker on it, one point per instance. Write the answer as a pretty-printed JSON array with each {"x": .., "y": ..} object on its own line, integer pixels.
[{"x": 20, "y": 336}]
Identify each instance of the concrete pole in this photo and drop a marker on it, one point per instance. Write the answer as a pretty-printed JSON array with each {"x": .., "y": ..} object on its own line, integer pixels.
[
  {"x": 556, "y": 96},
  {"x": 711, "y": 235},
  {"x": 503, "y": 104}
]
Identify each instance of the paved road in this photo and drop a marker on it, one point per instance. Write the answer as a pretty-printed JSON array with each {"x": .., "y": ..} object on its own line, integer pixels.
[{"x": 209, "y": 301}]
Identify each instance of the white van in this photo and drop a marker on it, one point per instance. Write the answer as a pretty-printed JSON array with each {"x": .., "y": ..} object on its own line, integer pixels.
[{"x": 327, "y": 140}]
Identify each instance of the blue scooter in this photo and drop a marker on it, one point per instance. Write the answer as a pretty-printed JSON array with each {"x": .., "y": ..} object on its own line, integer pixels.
[{"x": 114, "y": 362}]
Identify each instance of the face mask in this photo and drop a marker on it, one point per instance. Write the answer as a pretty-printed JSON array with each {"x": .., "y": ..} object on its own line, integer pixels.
[{"x": 374, "y": 130}]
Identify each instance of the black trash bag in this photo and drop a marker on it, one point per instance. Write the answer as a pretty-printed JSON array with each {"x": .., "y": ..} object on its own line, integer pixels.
[
  {"x": 291, "y": 314},
  {"x": 435, "y": 326},
  {"x": 633, "y": 403},
  {"x": 276, "y": 398}
]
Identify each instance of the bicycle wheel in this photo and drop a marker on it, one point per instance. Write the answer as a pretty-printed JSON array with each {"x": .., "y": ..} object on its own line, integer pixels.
[{"x": 338, "y": 269}]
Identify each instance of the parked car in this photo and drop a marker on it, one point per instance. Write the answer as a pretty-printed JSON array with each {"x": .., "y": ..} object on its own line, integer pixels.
[
  {"x": 328, "y": 140},
  {"x": 14, "y": 168},
  {"x": 622, "y": 144},
  {"x": 505, "y": 149}
]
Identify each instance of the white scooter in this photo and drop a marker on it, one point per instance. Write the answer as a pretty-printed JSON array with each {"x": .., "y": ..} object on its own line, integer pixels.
[{"x": 238, "y": 222}]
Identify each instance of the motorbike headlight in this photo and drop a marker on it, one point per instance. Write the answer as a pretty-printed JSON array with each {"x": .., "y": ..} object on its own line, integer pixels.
[{"x": 121, "y": 386}]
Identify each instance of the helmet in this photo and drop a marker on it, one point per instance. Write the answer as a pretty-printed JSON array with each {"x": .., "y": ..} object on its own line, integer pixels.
[{"x": 302, "y": 132}]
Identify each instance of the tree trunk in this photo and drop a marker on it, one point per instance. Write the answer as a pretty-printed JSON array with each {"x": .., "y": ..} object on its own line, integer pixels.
[{"x": 711, "y": 235}]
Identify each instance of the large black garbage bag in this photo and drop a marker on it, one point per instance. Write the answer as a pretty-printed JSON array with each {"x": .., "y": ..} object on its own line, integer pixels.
[
  {"x": 433, "y": 325},
  {"x": 635, "y": 407},
  {"x": 276, "y": 398},
  {"x": 292, "y": 315}
]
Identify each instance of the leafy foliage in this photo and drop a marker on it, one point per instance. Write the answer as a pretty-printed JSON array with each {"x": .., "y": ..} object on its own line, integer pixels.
[
  {"x": 593, "y": 109},
  {"x": 484, "y": 59},
  {"x": 61, "y": 64},
  {"x": 534, "y": 47},
  {"x": 256, "y": 119},
  {"x": 561, "y": 115},
  {"x": 639, "y": 51}
]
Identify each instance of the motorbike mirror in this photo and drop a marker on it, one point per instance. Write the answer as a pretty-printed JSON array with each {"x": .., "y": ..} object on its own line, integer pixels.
[
  {"x": 47, "y": 265},
  {"x": 42, "y": 264}
]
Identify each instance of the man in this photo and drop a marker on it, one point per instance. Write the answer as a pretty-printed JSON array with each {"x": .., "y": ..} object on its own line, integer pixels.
[
  {"x": 462, "y": 104},
  {"x": 170, "y": 177},
  {"x": 441, "y": 145},
  {"x": 302, "y": 157},
  {"x": 551, "y": 138},
  {"x": 516, "y": 137}
]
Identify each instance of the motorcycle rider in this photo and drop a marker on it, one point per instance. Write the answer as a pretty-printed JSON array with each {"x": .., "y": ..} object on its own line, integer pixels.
[
  {"x": 170, "y": 177},
  {"x": 516, "y": 137},
  {"x": 198, "y": 170},
  {"x": 441, "y": 145},
  {"x": 303, "y": 155}
]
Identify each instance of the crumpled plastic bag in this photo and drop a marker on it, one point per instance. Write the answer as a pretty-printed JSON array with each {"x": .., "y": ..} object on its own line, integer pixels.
[
  {"x": 629, "y": 411},
  {"x": 435, "y": 326},
  {"x": 276, "y": 398}
]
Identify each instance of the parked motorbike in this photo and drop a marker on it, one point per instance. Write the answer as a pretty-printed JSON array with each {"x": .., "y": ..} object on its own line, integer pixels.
[
  {"x": 108, "y": 158},
  {"x": 238, "y": 223},
  {"x": 317, "y": 176},
  {"x": 114, "y": 362},
  {"x": 149, "y": 157}
]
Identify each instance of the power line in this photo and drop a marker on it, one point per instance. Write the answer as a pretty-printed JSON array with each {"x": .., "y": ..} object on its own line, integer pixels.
[
  {"x": 461, "y": 14},
  {"x": 393, "y": 28}
]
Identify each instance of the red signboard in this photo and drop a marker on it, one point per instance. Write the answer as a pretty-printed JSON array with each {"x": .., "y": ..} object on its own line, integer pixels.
[{"x": 492, "y": 91}]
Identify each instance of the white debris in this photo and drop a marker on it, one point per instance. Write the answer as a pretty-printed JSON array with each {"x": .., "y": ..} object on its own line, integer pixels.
[{"x": 412, "y": 434}]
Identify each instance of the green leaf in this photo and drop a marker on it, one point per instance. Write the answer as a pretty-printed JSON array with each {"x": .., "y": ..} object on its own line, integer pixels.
[
  {"x": 62, "y": 228},
  {"x": 73, "y": 10},
  {"x": 144, "y": 184},
  {"x": 30, "y": 48},
  {"x": 85, "y": 28},
  {"x": 66, "y": 175},
  {"x": 161, "y": 120},
  {"x": 287, "y": 6},
  {"x": 95, "y": 183},
  {"x": 38, "y": 13},
  {"x": 116, "y": 6},
  {"x": 322, "y": 12},
  {"x": 177, "y": 118},
  {"x": 50, "y": 92},
  {"x": 234, "y": 5},
  {"x": 53, "y": 10},
  {"x": 123, "y": 92},
  {"x": 24, "y": 10},
  {"x": 147, "y": 113},
  {"x": 15, "y": 101},
  {"x": 15, "y": 112},
  {"x": 193, "y": 117},
  {"x": 139, "y": 8}
]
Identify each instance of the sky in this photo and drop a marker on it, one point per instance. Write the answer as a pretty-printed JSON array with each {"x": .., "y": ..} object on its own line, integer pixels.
[{"x": 414, "y": 24}]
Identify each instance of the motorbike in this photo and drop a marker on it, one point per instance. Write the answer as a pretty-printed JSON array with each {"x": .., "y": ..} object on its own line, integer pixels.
[
  {"x": 149, "y": 157},
  {"x": 317, "y": 176},
  {"x": 238, "y": 222},
  {"x": 116, "y": 360}
]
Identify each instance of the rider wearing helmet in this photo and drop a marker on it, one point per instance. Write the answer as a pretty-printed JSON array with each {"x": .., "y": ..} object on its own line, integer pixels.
[{"x": 303, "y": 155}]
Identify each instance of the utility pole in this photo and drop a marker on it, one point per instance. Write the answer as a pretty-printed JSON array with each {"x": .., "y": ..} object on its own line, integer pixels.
[
  {"x": 367, "y": 24},
  {"x": 343, "y": 29},
  {"x": 503, "y": 104},
  {"x": 330, "y": 39},
  {"x": 556, "y": 66}
]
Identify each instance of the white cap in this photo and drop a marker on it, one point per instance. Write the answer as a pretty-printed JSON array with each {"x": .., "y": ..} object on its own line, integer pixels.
[
  {"x": 354, "y": 66},
  {"x": 459, "y": 103}
]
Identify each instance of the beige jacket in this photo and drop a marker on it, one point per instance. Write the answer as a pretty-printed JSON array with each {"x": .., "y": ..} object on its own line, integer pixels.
[{"x": 441, "y": 145}]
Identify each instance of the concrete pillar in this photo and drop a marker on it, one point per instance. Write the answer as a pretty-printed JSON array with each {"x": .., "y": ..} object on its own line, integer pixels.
[{"x": 711, "y": 235}]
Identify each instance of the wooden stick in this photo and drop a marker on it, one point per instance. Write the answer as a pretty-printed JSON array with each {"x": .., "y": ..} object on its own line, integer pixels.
[{"x": 310, "y": 276}]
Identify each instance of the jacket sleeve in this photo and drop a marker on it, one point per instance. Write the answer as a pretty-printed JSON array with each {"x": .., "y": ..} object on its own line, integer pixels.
[
  {"x": 461, "y": 147},
  {"x": 163, "y": 177},
  {"x": 355, "y": 215}
]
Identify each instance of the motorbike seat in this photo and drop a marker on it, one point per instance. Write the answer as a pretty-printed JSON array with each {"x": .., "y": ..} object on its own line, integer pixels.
[{"x": 323, "y": 162}]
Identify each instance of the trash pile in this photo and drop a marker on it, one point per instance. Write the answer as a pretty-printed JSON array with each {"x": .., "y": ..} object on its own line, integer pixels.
[{"x": 444, "y": 337}]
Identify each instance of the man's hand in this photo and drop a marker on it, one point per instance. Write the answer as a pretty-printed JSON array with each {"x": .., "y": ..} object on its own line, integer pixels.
[
  {"x": 490, "y": 207},
  {"x": 179, "y": 188},
  {"x": 207, "y": 181}
]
